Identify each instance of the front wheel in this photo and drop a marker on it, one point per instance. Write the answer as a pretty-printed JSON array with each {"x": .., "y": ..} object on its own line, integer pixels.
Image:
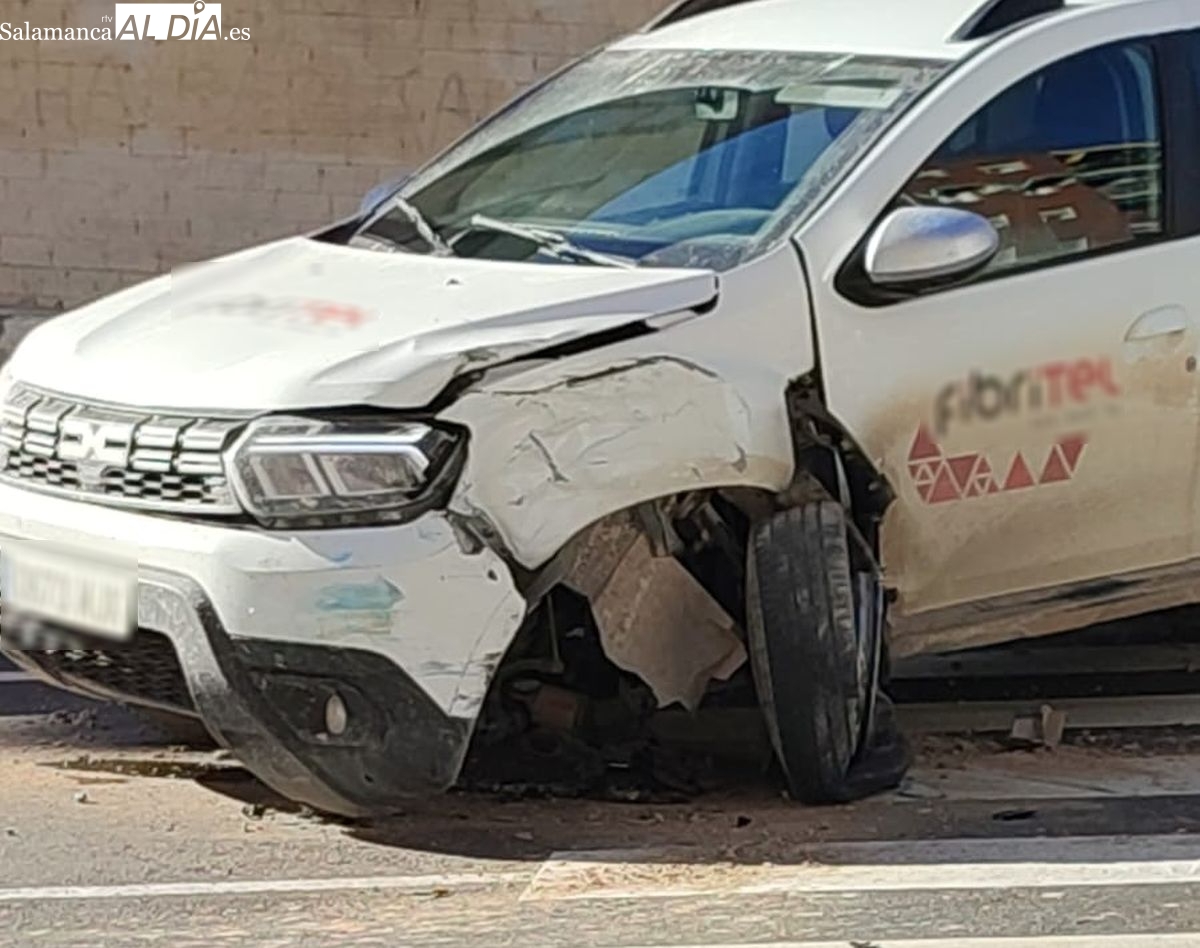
[{"x": 815, "y": 623}]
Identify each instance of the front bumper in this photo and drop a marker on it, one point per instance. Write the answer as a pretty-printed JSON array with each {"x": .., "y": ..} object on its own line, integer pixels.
[{"x": 406, "y": 624}]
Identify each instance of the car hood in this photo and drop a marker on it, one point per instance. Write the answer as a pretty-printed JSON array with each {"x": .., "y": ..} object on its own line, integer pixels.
[{"x": 301, "y": 324}]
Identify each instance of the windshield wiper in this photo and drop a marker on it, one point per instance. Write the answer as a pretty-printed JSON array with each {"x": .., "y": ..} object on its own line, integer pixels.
[
  {"x": 419, "y": 222},
  {"x": 551, "y": 241}
]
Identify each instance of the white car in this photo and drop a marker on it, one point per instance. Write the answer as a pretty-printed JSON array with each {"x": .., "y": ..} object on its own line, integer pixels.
[{"x": 786, "y": 335}]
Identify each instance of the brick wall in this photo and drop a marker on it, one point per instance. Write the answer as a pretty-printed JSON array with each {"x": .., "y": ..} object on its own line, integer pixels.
[{"x": 119, "y": 160}]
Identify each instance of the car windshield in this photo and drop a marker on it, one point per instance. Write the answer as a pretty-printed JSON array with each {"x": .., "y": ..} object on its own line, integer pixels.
[{"x": 654, "y": 157}]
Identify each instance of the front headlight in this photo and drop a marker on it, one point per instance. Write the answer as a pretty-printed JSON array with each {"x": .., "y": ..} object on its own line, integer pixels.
[{"x": 308, "y": 472}]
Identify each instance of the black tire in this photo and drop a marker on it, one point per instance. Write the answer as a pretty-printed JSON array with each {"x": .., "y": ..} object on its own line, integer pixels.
[{"x": 814, "y": 652}]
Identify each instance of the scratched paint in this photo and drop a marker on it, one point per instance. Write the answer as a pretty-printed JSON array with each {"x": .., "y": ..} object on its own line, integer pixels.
[{"x": 379, "y": 596}]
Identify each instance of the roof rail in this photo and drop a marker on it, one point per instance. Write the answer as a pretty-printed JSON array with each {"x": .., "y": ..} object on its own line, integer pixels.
[
  {"x": 685, "y": 9},
  {"x": 996, "y": 15}
]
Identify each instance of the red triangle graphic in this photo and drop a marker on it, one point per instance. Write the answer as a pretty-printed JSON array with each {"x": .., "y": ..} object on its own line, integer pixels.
[
  {"x": 976, "y": 489},
  {"x": 1072, "y": 448},
  {"x": 983, "y": 477},
  {"x": 923, "y": 472},
  {"x": 944, "y": 489},
  {"x": 923, "y": 490},
  {"x": 1019, "y": 476},
  {"x": 1056, "y": 469},
  {"x": 962, "y": 467},
  {"x": 924, "y": 447}
]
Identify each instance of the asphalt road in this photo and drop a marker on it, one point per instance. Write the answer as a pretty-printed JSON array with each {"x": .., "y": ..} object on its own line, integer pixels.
[{"x": 110, "y": 835}]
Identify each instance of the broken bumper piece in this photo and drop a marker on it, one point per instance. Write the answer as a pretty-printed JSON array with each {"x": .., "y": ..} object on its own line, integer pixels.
[
  {"x": 345, "y": 668},
  {"x": 342, "y": 730}
]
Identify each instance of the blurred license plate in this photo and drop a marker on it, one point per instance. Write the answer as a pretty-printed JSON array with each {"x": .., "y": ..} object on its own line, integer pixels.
[{"x": 85, "y": 594}]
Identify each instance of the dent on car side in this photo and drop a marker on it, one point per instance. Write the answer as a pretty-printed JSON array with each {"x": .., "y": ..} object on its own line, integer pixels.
[{"x": 696, "y": 405}]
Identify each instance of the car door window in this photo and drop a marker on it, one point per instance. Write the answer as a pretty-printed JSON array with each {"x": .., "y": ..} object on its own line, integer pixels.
[{"x": 1067, "y": 162}]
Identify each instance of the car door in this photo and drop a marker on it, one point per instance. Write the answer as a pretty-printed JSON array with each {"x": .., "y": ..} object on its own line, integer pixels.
[{"x": 1039, "y": 422}]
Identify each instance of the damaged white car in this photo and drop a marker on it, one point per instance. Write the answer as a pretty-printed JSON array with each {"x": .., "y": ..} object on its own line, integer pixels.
[{"x": 773, "y": 340}]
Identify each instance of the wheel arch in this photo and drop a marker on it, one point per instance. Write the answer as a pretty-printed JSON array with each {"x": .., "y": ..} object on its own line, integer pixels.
[{"x": 829, "y": 456}]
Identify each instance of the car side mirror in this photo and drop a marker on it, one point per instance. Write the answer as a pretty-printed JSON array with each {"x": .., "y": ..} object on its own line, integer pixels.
[
  {"x": 929, "y": 245},
  {"x": 380, "y": 193}
]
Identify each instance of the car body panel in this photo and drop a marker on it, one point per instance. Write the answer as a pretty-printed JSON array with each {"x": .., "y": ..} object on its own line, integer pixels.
[
  {"x": 879, "y": 27},
  {"x": 303, "y": 324},
  {"x": 893, "y": 364},
  {"x": 556, "y": 446},
  {"x": 415, "y": 594}
]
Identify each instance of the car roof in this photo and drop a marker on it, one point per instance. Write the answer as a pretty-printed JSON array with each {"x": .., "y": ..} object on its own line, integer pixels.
[{"x": 903, "y": 28}]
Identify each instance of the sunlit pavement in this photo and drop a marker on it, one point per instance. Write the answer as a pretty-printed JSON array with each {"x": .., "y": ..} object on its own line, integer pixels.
[{"x": 110, "y": 836}]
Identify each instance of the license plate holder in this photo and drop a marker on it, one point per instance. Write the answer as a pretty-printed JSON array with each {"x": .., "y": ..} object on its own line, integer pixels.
[{"x": 78, "y": 591}]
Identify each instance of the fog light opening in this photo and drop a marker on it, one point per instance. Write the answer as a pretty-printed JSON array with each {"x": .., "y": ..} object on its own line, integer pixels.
[{"x": 337, "y": 716}]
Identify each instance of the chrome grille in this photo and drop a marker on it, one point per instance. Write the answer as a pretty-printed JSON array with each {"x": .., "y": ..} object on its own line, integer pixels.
[{"x": 117, "y": 456}]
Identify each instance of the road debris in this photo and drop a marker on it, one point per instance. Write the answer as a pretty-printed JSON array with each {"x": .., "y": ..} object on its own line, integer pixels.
[{"x": 1044, "y": 729}]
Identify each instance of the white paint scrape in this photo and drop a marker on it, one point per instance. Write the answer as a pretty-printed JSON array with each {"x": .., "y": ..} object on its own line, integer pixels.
[
  {"x": 1175, "y": 940},
  {"x": 409, "y": 885},
  {"x": 933, "y": 865}
]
